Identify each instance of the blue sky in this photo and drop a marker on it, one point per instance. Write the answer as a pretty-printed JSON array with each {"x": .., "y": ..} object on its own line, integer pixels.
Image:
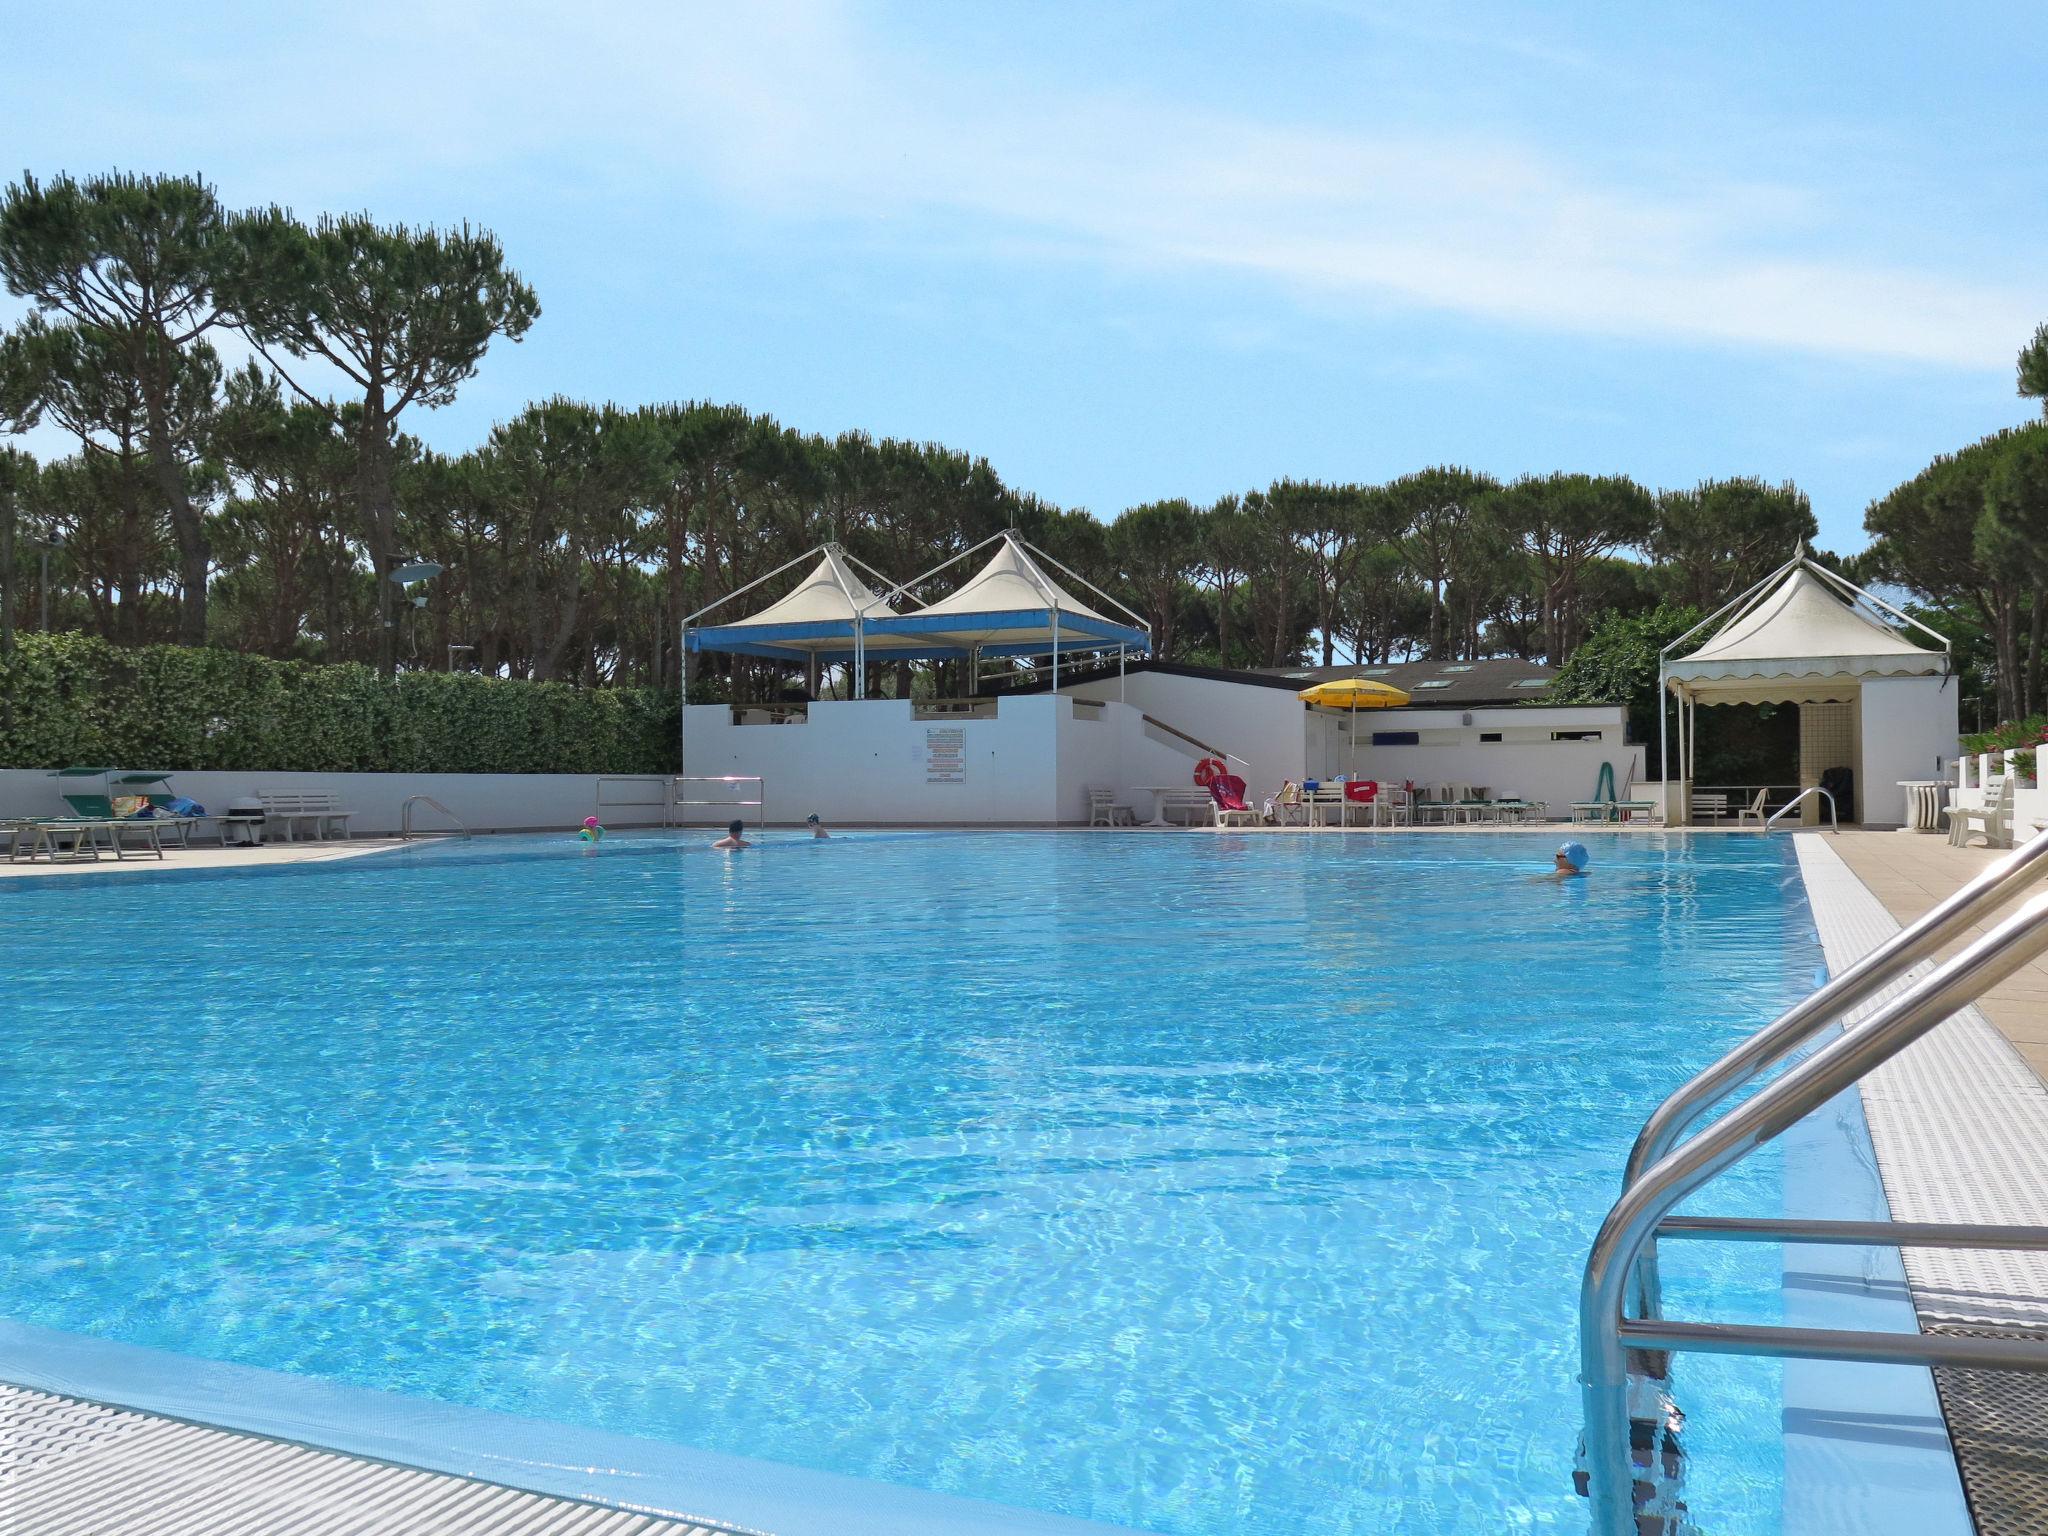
[{"x": 1140, "y": 250}]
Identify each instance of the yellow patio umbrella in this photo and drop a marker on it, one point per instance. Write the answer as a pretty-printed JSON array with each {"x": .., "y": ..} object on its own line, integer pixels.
[{"x": 1353, "y": 694}]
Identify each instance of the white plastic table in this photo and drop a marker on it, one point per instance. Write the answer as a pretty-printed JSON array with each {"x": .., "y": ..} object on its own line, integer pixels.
[
  {"x": 1923, "y": 803},
  {"x": 1158, "y": 792}
]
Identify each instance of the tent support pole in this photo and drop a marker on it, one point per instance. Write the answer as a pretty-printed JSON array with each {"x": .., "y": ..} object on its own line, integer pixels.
[
  {"x": 1684, "y": 808},
  {"x": 1055, "y": 650},
  {"x": 1664, "y": 741},
  {"x": 1119, "y": 674}
]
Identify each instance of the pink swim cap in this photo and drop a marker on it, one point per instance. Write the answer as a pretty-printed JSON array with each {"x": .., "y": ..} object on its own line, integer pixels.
[{"x": 590, "y": 821}]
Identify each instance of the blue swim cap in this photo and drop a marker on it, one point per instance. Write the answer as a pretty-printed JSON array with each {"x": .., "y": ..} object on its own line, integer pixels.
[{"x": 1575, "y": 854}]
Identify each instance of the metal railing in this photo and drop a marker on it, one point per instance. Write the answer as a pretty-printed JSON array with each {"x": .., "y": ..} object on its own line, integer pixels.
[
  {"x": 759, "y": 802},
  {"x": 405, "y": 830},
  {"x": 1834, "y": 824},
  {"x": 608, "y": 797},
  {"x": 1194, "y": 741},
  {"x": 1621, "y": 1268}
]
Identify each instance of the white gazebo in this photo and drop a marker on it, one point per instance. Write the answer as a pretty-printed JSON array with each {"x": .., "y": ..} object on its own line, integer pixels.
[
  {"x": 1014, "y": 606},
  {"x": 1872, "y": 698}
]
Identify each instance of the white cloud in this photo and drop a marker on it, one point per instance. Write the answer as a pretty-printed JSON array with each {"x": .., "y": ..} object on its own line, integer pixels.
[
  {"x": 794, "y": 112},
  {"x": 797, "y": 113}
]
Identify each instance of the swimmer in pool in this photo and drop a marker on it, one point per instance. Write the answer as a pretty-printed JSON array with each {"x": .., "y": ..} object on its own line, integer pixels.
[
  {"x": 817, "y": 827},
  {"x": 732, "y": 838},
  {"x": 1569, "y": 861}
]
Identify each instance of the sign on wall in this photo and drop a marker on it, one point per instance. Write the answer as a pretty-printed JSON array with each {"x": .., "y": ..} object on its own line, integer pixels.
[{"x": 945, "y": 754}]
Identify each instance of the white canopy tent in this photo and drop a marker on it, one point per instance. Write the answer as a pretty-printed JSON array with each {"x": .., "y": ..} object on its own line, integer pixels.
[
  {"x": 1013, "y": 606},
  {"x": 1802, "y": 635},
  {"x": 827, "y": 617}
]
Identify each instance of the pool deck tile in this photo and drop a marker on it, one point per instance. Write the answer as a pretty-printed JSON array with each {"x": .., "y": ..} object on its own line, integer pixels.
[
  {"x": 1909, "y": 873},
  {"x": 1959, "y": 1122},
  {"x": 75, "y": 1468}
]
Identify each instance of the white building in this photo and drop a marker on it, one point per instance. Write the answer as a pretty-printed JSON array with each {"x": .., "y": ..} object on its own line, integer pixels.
[
  {"x": 1030, "y": 756},
  {"x": 1874, "y": 703}
]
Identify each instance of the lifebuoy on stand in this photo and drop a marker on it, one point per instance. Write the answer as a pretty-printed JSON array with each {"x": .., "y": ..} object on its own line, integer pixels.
[{"x": 1209, "y": 770}]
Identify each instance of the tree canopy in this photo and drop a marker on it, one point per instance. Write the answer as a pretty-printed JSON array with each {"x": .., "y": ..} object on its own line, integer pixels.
[{"x": 264, "y": 507}]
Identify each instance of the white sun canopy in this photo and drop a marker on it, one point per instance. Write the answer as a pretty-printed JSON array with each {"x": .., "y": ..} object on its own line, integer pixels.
[
  {"x": 1013, "y": 607},
  {"x": 1804, "y": 640},
  {"x": 825, "y": 616}
]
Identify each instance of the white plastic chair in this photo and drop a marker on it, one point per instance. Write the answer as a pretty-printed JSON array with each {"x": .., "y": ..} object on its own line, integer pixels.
[
  {"x": 1993, "y": 819},
  {"x": 1103, "y": 811}
]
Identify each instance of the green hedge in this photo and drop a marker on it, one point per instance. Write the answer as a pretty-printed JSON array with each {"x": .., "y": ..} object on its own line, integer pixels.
[{"x": 75, "y": 699}]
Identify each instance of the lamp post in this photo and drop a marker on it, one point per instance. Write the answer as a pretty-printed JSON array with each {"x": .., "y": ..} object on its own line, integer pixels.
[
  {"x": 45, "y": 548},
  {"x": 404, "y": 578}
]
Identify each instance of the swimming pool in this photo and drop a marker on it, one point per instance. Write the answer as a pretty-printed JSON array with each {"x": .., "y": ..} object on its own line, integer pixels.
[{"x": 1199, "y": 1184}]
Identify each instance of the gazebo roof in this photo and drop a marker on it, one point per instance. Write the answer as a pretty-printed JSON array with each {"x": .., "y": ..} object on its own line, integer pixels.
[
  {"x": 1012, "y": 607},
  {"x": 817, "y": 617},
  {"x": 1810, "y": 629}
]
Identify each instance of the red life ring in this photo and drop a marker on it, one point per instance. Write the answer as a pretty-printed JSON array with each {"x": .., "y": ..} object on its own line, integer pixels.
[{"x": 1209, "y": 770}]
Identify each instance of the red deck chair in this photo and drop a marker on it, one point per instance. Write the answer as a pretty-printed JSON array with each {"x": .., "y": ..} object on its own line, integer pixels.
[
  {"x": 1362, "y": 792},
  {"x": 1227, "y": 790}
]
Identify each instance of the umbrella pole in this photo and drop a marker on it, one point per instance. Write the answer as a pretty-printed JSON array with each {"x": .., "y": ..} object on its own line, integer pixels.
[{"x": 1351, "y": 768}]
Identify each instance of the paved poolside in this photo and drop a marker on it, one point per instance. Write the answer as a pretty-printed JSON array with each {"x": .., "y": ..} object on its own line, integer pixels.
[
  {"x": 1959, "y": 1122},
  {"x": 1909, "y": 873},
  {"x": 210, "y": 856}
]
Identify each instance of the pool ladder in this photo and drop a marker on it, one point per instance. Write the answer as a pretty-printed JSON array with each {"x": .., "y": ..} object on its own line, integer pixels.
[
  {"x": 405, "y": 830},
  {"x": 1621, "y": 1312},
  {"x": 1834, "y": 822}
]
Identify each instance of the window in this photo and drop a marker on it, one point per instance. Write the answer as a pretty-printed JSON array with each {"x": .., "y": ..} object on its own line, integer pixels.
[
  {"x": 1574, "y": 735},
  {"x": 1397, "y": 738},
  {"x": 1377, "y": 671},
  {"x": 1434, "y": 682},
  {"x": 1486, "y": 736},
  {"x": 1301, "y": 675},
  {"x": 1530, "y": 682},
  {"x": 1463, "y": 666}
]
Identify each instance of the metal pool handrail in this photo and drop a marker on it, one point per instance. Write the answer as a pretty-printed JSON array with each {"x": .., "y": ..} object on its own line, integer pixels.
[
  {"x": 1607, "y": 1336},
  {"x": 405, "y": 818},
  {"x": 759, "y": 802},
  {"x": 1948, "y": 921},
  {"x": 1993, "y": 889},
  {"x": 1834, "y": 822}
]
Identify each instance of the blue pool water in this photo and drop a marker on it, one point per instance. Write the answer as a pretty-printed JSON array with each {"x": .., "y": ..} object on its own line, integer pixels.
[{"x": 1202, "y": 1184}]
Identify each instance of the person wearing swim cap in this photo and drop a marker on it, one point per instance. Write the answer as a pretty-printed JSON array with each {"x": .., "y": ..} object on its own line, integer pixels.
[
  {"x": 817, "y": 827},
  {"x": 733, "y": 838},
  {"x": 1571, "y": 859}
]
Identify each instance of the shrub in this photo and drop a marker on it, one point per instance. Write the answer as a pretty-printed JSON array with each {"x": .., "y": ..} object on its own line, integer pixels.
[{"x": 68, "y": 699}]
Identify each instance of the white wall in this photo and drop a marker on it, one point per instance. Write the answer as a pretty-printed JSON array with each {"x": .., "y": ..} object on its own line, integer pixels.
[
  {"x": 869, "y": 761},
  {"x": 1525, "y": 762},
  {"x": 485, "y": 802},
  {"x": 1283, "y": 739},
  {"x": 1264, "y": 726},
  {"x": 1909, "y": 728}
]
